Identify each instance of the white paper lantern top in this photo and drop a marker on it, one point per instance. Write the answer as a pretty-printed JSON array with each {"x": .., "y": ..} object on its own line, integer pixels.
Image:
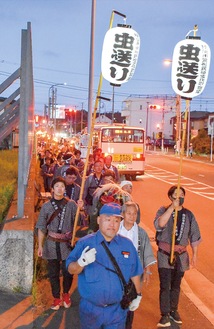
[
  {"x": 120, "y": 54},
  {"x": 190, "y": 67}
]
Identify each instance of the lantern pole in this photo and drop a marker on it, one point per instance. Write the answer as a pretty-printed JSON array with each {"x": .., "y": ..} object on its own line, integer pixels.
[
  {"x": 112, "y": 114},
  {"x": 91, "y": 135},
  {"x": 172, "y": 257},
  {"x": 178, "y": 118},
  {"x": 188, "y": 105},
  {"x": 188, "y": 133},
  {"x": 171, "y": 260}
]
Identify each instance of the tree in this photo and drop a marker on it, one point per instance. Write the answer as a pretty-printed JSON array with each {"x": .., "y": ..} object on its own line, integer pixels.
[{"x": 201, "y": 143}]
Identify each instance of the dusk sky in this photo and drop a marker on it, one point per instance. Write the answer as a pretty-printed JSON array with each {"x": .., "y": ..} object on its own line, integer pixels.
[{"x": 61, "y": 45}]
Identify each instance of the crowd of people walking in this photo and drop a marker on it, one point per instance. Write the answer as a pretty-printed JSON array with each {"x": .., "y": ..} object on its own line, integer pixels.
[{"x": 115, "y": 249}]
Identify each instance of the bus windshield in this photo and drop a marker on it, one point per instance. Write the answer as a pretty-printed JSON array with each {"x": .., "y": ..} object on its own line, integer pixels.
[{"x": 122, "y": 135}]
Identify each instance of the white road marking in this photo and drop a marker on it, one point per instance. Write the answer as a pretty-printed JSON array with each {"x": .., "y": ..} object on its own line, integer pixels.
[
  {"x": 195, "y": 275},
  {"x": 189, "y": 184}
]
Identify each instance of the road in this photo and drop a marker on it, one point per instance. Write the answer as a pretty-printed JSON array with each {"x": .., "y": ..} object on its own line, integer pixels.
[
  {"x": 150, "y": 191},
  {"x": 196, "y": 305}
]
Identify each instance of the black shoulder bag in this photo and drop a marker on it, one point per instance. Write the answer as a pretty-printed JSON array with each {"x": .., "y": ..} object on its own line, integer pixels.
[{"x": 129, "y": 290}]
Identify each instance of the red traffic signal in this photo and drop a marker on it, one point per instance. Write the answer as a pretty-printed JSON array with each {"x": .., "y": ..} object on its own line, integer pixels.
[
  {"x": 154, "y": 107},
  {"x": 70, "y": 114}
]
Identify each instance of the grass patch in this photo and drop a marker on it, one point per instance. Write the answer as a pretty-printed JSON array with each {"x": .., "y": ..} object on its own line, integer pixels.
[
  {"x": 17, "y": 289},
  {"x": 8, "y": 182}
]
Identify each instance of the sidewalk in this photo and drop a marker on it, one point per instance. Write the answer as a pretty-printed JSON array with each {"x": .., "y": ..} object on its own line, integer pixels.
[
  {"x": 21, "y": 311},
  {"x": 201, "y": 158},
  {"x": 18, "y": 312}
]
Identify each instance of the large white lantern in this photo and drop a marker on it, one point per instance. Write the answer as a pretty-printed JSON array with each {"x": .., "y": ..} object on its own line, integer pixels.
[
  {"x": 190, "y": 67},
  {"x": 121, "y": 47}
]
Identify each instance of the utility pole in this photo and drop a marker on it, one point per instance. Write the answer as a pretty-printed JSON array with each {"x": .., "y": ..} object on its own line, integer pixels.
[
  {"x": 147, "y": 118},
  {"x": 188, "y": 132},
  {"x": 91, "y": 66},
  {"x": 53, "y": 108},
  {"x": 81, "y": 121},
  {"x": 162, "y": 140},
  {"x": 54, "y": 105},
  {"x": 75, "y": 119},
  {"x": 99, "y": 108}
]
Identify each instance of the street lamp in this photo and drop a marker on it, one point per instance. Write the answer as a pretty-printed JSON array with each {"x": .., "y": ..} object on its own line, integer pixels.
[
  {"x": 52, "y": 103},
  {"x": 167, "y": 62}
]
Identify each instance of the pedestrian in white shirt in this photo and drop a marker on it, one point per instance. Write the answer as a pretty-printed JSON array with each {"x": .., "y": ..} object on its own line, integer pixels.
[{"x": 140, "y": 239}]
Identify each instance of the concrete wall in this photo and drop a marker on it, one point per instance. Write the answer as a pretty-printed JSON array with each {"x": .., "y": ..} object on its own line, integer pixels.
[
  {"x": 16, "y": 258},
  {"x": 17, "y": 243}
]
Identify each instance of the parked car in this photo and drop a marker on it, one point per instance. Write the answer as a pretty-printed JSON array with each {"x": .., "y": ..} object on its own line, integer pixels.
[{"x": 166, "y": 143}]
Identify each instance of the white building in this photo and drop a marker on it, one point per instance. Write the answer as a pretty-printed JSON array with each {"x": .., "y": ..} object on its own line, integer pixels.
[
  {"x": 153, "y": 113},
  {"x": 102, "y": 118}
]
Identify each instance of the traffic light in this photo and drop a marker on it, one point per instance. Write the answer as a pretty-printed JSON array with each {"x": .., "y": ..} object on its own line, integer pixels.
[
  {"x": 154, "y": 107},
  {"x": 66, "y": 113},
  {"x": 160, "y": 134},
  {"x": 69, "y": 113}
]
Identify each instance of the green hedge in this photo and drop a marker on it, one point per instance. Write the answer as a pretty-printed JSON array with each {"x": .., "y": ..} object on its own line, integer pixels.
[{"x": 8, "y": 181}]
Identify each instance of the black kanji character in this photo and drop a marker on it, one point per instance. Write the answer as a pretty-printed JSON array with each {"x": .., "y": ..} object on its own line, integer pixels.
[
  {"x": 189, "y": 52},
  {"x": 124, "y": 41},
  {"x": 122, "y": 58},
  {"x": 187, "y": 70},
  {"x": 180, "y": 85}
]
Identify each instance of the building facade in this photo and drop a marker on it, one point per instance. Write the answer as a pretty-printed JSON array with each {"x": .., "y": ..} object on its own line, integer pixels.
[{"x": 153, "y": 113}]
